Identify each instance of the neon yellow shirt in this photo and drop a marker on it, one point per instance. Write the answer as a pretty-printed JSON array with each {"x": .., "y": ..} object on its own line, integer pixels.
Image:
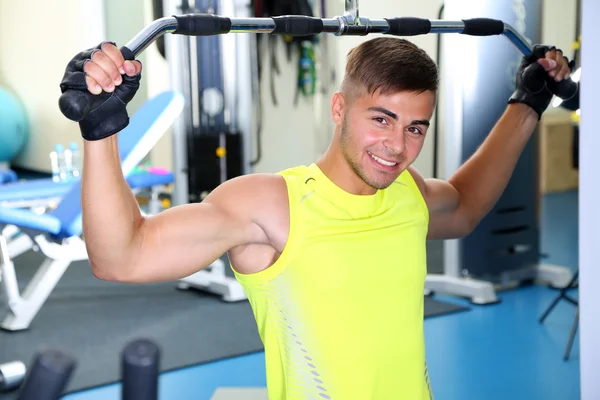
[{"x": 340, "y": 312}]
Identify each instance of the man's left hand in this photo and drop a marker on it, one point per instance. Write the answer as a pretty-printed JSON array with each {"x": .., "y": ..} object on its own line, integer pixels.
[
  {"x": 556, "y": 64},
  {"x": 557, "y": 67}
]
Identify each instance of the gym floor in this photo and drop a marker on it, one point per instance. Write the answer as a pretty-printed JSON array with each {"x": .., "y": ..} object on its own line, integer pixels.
[{"x": 491, "y": 352}]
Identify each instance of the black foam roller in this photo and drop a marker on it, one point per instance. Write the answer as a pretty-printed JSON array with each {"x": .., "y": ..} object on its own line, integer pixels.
[
  {"x": 140, "y": 368},
  {"x": 48, "y": 376}
]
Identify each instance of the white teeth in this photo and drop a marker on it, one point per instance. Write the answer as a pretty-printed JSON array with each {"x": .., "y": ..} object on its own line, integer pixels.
[{"x": 382, "y": 161}]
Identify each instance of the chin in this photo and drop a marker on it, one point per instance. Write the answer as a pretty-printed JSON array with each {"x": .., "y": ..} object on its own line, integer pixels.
[
  {"x": 379, "y": 180},
  {"x": 379, "y": 185}
]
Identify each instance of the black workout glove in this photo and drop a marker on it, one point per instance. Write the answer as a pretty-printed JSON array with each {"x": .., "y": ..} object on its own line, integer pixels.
[
  {"x": 534, "y": 89},
  {"x": 106, "y": 113}
]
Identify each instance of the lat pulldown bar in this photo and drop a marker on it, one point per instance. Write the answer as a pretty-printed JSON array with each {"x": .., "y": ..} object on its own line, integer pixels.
[{"x": 74, "y": 106}]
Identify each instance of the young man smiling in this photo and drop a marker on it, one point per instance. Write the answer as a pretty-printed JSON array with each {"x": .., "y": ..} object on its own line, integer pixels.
[{"x": 332, "y": 255}]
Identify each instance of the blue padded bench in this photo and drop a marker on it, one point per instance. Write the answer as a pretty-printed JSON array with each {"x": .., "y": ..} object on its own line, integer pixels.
[
  {"x": 7, "y": 175},
  {"x": 57, "y": 233},
  {"x": 43, "y": 191},
  {"x": 33, "y": 189}
]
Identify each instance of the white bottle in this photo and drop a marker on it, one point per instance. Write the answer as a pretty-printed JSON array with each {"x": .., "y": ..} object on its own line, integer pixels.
[
  {"x": 60, "y": 158},
  {"x": 54, "y": 166},
  {"x": 75, "y": 161},
  {"x": 68, "y": 164}
]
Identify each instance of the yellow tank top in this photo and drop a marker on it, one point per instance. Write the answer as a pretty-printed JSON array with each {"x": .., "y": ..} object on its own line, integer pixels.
[{"x": 340, "y": 313}]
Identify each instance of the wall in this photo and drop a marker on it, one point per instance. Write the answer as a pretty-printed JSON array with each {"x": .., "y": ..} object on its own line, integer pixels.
[
  {"x": 34, "y": 51},
  {"x": 559, "y": 24},
  {"x": 47, "y": 40},
  {"x": 124, "y": 19},
  {"x": 290, "y": 133}
]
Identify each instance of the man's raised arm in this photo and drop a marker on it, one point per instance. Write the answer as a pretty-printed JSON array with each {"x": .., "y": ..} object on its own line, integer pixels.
[
  {"x": 122, "y": 244},
  {"x": 457, "y": 206}
]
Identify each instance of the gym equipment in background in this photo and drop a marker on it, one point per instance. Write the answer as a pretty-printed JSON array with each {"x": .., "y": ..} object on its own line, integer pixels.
[
  {"x": 7, "y": 175},
  {"x": 57, "y": 233},
  {"x": 44, "y": 194},
  {"x": 74, "y": 103},
  {"x": 12, "y": 375},
  {"x": 352, "y": 23},
  {"x": 213, "y": 279},
  {"x": 212, "y": 140},
  {"x": 504, "y": 250},
  {"x": 48, "y": 376},
  {"x": 564, "y": 295},
  {"x": 52, "y": 368},
  {"x": 140, "y": 358}
]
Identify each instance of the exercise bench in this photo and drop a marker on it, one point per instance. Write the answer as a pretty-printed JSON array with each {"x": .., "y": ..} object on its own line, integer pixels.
[{"x": 57, "y": 233}]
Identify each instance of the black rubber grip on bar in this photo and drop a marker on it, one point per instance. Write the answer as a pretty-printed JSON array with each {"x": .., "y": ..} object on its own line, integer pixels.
[
  {"x": 483, "y": 27},
  {"x": 297, "y": 25},
  {"x": 565, "y": 89},
  {"x": 201, "y": 25},
  {"x": 408, "y": 26},
  {"x": 536, "y": 77}
]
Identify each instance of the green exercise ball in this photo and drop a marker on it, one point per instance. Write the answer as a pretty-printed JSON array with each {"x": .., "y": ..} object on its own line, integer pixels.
[{"x": 14, "y": 126}]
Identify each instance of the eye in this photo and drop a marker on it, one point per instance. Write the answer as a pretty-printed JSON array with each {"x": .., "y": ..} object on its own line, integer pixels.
[
  {"x": 380, "y": 120},
  {"x": 415, "y": 130}
]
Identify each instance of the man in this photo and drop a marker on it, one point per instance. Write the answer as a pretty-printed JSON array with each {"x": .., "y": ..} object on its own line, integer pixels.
[{"x": 332, "y": 255}]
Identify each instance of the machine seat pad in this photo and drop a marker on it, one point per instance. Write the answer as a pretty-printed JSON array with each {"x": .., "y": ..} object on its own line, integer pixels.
[
  {"x": 149, "y": 179},
  {"x": 27, "y": 219}
]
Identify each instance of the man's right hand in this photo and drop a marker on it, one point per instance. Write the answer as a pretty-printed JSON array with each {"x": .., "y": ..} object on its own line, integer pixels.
[{"x": 113, "y": 82}]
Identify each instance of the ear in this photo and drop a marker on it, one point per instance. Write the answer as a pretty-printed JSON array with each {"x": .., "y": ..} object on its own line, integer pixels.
[{"x": 337, "y": 108}]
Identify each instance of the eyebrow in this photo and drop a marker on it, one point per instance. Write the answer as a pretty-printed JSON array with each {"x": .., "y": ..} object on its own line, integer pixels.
[{"x": 394, "y": 116}]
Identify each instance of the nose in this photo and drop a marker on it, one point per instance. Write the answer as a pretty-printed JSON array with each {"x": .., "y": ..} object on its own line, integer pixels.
[{"x": 395, "y": 143}]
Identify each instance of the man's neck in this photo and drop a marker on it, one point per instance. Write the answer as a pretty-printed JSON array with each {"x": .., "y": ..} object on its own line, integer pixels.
[{"x": 334, "y": 165}]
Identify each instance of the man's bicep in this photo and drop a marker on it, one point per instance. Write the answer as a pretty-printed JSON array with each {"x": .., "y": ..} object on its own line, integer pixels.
[
  {"x": 441, "y": 197},
  {"x": 187, "y": 238},
  {"x": 447, "y": 219}
]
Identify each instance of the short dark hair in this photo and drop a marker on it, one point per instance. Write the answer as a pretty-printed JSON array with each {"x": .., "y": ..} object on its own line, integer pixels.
[{"x": 390, "y": 65}]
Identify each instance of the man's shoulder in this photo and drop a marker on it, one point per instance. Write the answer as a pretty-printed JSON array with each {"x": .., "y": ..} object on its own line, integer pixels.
[
  {"x": 275, "y": 179},
  {"x": 412, "y": 175},
  {"x": 263, "y": 189},
  {"x": 296, "y": 171},
  {"x": 254, "y": 184}
]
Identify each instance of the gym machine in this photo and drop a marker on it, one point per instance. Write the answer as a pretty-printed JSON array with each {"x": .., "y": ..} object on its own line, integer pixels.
[
  {"x": 352, "y": 23},
  {"x": 504, "y": 250},
  {"x": 217, "y": 74},
  {"x": 212, "y": 140}
]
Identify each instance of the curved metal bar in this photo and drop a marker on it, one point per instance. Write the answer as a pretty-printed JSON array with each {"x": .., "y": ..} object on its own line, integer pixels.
[{"x": 339, "y": 26}]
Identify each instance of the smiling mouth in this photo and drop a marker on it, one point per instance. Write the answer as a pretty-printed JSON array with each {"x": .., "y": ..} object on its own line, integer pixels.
[{"x": 381, "y": 161}]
